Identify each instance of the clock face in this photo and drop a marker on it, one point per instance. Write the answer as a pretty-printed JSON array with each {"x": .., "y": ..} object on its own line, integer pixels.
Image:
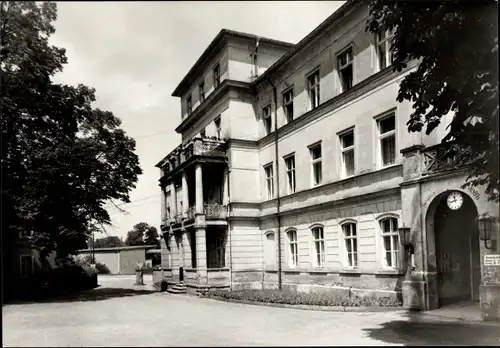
[{"x": 455, "y": 200}]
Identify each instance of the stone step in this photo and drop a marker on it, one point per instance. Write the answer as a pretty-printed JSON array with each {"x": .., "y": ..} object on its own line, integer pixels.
[{"x": 176, "y": 291}]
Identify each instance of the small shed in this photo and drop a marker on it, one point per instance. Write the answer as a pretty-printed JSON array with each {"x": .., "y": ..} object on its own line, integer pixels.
[{"x": 119, "y": 260}]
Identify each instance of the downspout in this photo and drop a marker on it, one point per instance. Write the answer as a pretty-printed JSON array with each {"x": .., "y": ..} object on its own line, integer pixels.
[
  {"x": 275, "y": 100},
  {"x": 229, "y": 229}
]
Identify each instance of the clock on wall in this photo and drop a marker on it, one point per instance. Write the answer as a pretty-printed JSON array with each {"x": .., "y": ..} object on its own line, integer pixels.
[{"x": 455, "y": 200}]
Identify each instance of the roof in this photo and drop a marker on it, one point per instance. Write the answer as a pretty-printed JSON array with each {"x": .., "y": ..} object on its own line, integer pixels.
[
  {"x": 340, "y": 12},
  {"x": 118, "y": 248},
  {"x": 222, "y": 34}
]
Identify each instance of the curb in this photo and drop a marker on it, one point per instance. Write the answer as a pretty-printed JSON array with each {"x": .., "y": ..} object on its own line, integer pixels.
[
  {"x": 424, "y": 317},
  {"x": 310, "y": 307}
]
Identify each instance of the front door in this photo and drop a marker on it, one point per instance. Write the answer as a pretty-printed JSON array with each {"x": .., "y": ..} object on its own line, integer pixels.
[{"x": 457, "y": 252}]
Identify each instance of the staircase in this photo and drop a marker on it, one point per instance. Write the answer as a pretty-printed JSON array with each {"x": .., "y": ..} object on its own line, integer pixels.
[{"x": 178, "y": 288}]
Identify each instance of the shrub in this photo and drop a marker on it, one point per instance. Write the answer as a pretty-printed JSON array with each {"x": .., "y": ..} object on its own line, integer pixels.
[
  {"x": 299, "y": 298},
  {"x": 71, "y": 277},
  {"x": 102, "y": 268}
]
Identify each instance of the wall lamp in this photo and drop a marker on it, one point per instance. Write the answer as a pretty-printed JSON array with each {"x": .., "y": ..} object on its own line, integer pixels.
[{"x": 485, "y": 225}]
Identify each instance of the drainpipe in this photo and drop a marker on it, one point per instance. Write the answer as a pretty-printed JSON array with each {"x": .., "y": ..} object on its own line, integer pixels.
[
  {"x": 229, "y": 229},
  {"x": 275, "y": 100}
]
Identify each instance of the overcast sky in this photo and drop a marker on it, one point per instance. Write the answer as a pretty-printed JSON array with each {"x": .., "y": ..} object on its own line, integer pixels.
[{"x": 135, "y": 53}]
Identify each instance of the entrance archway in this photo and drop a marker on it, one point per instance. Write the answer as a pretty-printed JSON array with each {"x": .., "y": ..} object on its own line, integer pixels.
[{"x": 453, "y": 241}]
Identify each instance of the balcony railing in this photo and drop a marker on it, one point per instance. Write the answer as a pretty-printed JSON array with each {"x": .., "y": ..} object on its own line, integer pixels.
[
  {"x": 215, "y": 211},
  {"x": 438, "y": 158},
  {"x": 200, "y": 147}
]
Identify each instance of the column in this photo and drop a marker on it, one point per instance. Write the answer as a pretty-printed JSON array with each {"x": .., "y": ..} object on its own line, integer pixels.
[
  {"x": 414, "y": 288},
  {"x": 199, "y": 189},
  {"x": 201, "y": 256},
  {"x": 225, "y": 188},
  {"x": 173, "y": 195},
  {"x": 185, "y": 196}
]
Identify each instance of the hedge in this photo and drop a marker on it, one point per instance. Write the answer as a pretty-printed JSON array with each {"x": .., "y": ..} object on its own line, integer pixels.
[{"x": 302, "y": 298}]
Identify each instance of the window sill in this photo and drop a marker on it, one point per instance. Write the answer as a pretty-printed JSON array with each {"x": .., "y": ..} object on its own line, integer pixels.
[
  {"x": 319, "y": 270},
  {"x": 390, "y": 271},
  {"x": 292, "y": 270},
  {"x": 350, "y": 271}
]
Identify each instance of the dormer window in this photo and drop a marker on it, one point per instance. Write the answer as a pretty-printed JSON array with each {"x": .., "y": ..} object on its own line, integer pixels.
[
  {"x": 189, "y": 105},
  {"x": 201, "y": 89},
  {"x": 216, "y": 76}
]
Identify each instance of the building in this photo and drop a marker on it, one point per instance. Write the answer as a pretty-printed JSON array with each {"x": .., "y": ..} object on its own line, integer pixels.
[
  {"x": 119, "y": 260},
  {"x": 306, "y": 145},
  {"x": 26, "y": 269}
]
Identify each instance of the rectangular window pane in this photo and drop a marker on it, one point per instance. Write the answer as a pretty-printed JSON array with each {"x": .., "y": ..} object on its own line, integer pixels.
[
  {"x": 387, "y": 124},
  {"x": 348, "y": 158},
  {"x": 388, "y": 256},
  {"x": 317, "y": 173},
  {"x": 316, "y": 152},
  {"x": 388, "y": 145},
  {"x": 346, "y": 78}
]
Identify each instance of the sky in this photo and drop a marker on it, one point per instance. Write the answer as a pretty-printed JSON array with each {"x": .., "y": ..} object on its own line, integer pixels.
[{"x": 135, "y": 53}]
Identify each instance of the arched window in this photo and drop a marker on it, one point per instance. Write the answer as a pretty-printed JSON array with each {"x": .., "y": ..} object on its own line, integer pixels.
[
  {"x": 319, "y": 246},
  {"x": 270, "y": 250},
  {"x": 390, "y": 241},
  {"x": 293, "y": 249},
  {"x": 350, "y": 244}
]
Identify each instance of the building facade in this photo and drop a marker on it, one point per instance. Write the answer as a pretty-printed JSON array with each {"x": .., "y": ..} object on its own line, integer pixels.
[
  {"x": 119, "y": 260},
  {"x": 296, "y": 169}
]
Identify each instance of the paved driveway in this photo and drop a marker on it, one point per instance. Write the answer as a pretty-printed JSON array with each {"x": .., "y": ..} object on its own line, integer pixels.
[{"x": 121, "y": 314}]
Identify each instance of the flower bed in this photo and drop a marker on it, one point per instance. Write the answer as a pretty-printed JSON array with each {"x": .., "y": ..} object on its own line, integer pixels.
[{"x": 300, "y": 298}]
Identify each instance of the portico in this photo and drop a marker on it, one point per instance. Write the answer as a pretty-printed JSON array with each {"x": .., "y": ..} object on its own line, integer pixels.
[
  {"x": 195, "y": 225},
  {"x": 448, "y": 266}
]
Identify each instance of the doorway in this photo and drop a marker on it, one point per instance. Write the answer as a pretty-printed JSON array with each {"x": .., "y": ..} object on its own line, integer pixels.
[{"x": 457, "y": 249}]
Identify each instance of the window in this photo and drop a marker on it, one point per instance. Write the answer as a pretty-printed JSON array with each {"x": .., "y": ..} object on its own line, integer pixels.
[
  {"x": 345, "y": 65},
  {"x": 266, "y": 117},
  {"x": 201, "y": 89},
  {"x": 290, "y": 173},
  {"x": 26, "y": 265},
  {"x": 270, "y": 250},
  {"x": 203, "y": 133},
  {"x": 319, "y": 246},
  {"x": 390, "y": 238},
  {"x": 219, "y": 252},
  {"x": 293, "y": 254},
  {"x": 351, "y": 244},
  {"x": 347, "y": 144},
  {"x": 216, "y": 76},
  {"x": 269, "y": 181},
  {"x": 316, "y": 164},
  {"x": 387, "y": 136},
  {"x": 313, "y": 89},
  {"x": 288, "y": 105},
  {"x": 217, "y": 127},
  {"x": 189, "y": 105},
  {"x": 384, "y": 54}
]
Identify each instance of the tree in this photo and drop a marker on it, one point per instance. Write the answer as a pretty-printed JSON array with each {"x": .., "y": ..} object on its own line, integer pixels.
[
  {"x": 136, "y": 235},
  {"x": 108, "y": 242},
  {"x": 142, "y": 234},
  {"x": 151, "y": 237},
  {"x": 62, "y": 159},
  {"x": 456, "y": 45}
]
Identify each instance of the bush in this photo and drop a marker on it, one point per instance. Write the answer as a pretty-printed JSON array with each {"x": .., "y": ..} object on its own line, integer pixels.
[
  {"x": 299, "y": 298},
  {"x": 70, "y": 277},
  {"x": 102, "y": 268}
]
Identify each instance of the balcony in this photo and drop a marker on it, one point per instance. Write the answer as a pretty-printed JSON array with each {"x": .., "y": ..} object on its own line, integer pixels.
[
  {"x": 437, "y": 158},
  {"x": 215, "y": 211},
  {"x": 207, "y": 147}
]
